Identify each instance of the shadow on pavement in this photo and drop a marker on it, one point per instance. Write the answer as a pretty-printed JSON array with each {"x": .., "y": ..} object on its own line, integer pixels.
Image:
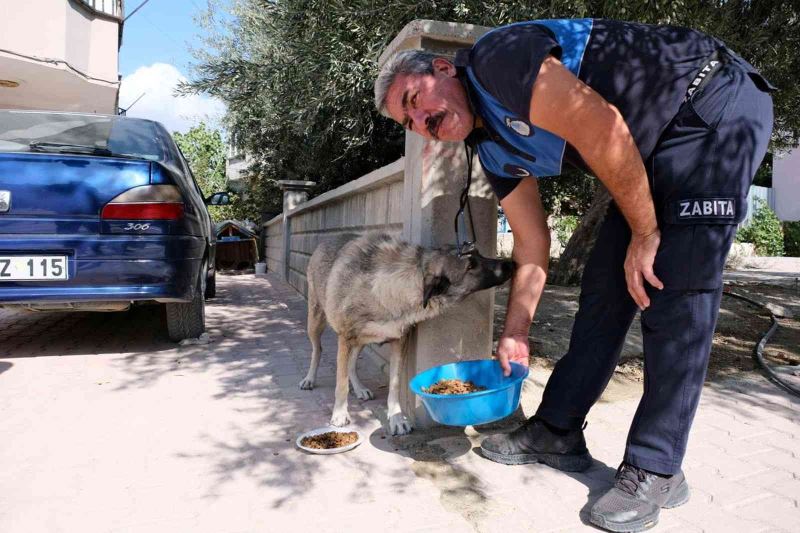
[{"x": 34, "y": 334}]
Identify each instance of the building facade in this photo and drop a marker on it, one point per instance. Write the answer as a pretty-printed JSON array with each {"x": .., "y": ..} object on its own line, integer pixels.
[
  {"x": 786, "y": 183},
  {"x": 60, "y": 55}
]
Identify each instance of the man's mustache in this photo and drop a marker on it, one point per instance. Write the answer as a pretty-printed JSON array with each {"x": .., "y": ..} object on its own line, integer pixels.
[{"x": 434, "y": 123}]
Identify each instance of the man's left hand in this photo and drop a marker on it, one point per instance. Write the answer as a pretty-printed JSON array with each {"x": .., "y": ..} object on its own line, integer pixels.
[
  {"x": 639, "y": 264},
  {"x": 512, "y": 349}
]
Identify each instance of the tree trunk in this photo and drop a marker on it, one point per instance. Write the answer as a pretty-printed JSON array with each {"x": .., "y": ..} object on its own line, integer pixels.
[{"x": 576, "y": 253}]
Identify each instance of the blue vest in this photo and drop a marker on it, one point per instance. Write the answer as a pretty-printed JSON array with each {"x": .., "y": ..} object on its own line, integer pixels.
[{"x": 514, "y": 148}]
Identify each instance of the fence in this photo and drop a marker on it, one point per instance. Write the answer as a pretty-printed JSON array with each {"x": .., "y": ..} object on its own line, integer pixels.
[
  {"x": 371, "y": 203},
  {"x": 274, "y": 253},
  {"x": 765, "y": 194}
]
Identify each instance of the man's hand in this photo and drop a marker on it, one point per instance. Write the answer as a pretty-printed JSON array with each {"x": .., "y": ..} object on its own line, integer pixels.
[
  {"x": 512, "y": 348},
  {"x": 639, "y": 264}
]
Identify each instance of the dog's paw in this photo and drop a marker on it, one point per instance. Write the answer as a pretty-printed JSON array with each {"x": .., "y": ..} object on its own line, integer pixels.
[
  {"x": 340, "y": 419},
  {"x": 363, "y": 393},
  {"x": 399, "y": 425},
  {"x": 307, "y": 384}
]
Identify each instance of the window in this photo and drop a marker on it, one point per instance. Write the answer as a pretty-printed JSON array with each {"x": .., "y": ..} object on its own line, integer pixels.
[
  {"x": 120, "y": 135},
  {"x": 109, "y": 7}
]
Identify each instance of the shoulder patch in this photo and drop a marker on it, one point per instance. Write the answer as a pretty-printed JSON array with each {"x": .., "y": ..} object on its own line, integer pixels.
[{"x": 519, "y": 126}]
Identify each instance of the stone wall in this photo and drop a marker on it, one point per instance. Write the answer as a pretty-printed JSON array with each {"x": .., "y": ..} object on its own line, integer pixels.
[
  {"x": 371, "y": 203},
  {"x": 274, "y": 251}
]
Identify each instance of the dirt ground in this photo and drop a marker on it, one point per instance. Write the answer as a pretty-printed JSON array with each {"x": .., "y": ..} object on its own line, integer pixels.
[{"x": 739, "y": 328}]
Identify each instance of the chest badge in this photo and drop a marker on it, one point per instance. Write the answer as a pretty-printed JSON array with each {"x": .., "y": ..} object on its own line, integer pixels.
[
  {"x": 522, "y": 128},
  {"x": 5, "y": 201},
  {"x": 516, "y": 170}
]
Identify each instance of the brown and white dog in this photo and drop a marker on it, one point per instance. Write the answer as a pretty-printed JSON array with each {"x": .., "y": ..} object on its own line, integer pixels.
[{"x": 371, "y": 289}]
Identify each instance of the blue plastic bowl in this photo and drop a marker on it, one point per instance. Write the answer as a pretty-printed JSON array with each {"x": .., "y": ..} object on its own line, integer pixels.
[{"x": 499, "y": 400}]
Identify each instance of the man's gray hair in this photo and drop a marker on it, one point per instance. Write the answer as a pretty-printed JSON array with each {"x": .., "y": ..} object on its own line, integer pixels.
[{"x": 405, "y": 62}]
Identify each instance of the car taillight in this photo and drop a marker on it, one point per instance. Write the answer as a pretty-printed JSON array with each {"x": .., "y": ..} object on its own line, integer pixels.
[{"x": 149, "y": 202}]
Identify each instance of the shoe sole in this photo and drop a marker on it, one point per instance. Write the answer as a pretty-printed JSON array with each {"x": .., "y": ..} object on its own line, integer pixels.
[
  {"x": 678, "y": 498},
  {"x": 565, "y": 463}
]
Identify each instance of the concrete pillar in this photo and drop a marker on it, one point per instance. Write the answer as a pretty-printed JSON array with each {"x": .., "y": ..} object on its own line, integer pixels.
[
  {"x": 295, "y": 192},
  {"x": 435, "y": 173}
]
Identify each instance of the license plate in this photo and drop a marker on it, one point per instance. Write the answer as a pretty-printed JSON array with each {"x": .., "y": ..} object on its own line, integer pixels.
[{"x": 33, "y": 267}]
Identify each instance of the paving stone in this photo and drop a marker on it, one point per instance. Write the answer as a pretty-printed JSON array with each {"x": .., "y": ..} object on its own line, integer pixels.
[
  {"x": 780, "y": 459},
  {"x": 788, "y": 488},
  {"x": 714, "y": 518},
  {"x": 775, "y": 511}
]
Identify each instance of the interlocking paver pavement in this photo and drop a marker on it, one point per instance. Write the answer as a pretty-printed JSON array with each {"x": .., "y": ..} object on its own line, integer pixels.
[{"x": 106, "y": 426}]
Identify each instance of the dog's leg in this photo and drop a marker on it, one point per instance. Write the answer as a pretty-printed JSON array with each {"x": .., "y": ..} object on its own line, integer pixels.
[
  {"x": 361, "y": 392},
  {"x": 398, "y": 423},
  {"x": 316, "y": 325},
  {"x": 346, "y": 351}
]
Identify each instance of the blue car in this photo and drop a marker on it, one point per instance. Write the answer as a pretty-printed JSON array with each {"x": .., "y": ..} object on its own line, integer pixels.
[{"x": 98, "y": 213}]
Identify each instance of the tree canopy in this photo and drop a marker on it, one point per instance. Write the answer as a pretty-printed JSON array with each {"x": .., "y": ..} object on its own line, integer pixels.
[
  {"x": 297, "y": 75},
  {"x": 204, "y": 150}
]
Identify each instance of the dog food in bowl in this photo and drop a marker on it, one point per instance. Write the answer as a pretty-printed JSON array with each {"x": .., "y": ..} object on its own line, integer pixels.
[
  {"x": 330, "y": 440},
  {"x": 499, "y": 399},
  {"x": 452, "y": 386}
]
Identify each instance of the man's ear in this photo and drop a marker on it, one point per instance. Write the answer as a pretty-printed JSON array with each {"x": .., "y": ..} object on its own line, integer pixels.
[
  {"x": 443, "y": 66},
  {"x": 434, "y": 286}
]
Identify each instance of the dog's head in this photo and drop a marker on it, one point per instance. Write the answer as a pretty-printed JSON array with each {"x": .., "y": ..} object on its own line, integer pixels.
[{"x": 449, "y": 278}]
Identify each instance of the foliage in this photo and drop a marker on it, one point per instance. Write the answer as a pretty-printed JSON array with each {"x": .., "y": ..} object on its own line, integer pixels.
[
  {"x": 204, "y": 150},
  {"x": 297, "y": 75},
  {"x": 764, "y": 231},
  {"x": 763, "y": 177},
  {"x": 791, "y": 239},
  {"x": 564, "y": 227}
]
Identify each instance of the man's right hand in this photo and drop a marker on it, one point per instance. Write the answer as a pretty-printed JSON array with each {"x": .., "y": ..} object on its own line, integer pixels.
[{"x": 512, "y": 348}]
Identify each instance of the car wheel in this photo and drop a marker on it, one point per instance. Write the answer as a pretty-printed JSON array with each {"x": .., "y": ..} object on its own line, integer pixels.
[
  {"x": 188, "y": 320},
  {"x": 211, "y": 286}
]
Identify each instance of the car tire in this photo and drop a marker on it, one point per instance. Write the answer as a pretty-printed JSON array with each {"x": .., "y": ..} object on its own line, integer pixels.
[
  {"x": 211, "y": 286},
  {"x": 188, "y": 320}
]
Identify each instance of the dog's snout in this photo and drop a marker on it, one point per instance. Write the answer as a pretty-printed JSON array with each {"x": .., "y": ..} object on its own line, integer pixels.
[
  {"x": 496, "y": 272},
  {"x": 505, "y": 270}
]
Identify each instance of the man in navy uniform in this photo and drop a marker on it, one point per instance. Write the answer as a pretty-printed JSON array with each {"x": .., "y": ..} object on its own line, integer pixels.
[{"x": 675, "y": 125}]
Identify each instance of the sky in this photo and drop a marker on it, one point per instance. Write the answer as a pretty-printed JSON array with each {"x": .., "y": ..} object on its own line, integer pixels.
[{"x": 155, "y": 56}]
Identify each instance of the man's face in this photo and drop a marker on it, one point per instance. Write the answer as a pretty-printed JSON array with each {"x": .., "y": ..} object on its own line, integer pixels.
[{"x": 432, "y": 105}]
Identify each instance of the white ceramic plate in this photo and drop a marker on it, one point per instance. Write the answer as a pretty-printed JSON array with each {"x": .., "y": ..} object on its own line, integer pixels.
[{"x": 330, "y": 451}]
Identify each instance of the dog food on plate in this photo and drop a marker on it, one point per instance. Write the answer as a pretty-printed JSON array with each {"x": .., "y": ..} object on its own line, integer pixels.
[
  {"x": 330, "y": 440},
  {"x": 452, "y": 386}
]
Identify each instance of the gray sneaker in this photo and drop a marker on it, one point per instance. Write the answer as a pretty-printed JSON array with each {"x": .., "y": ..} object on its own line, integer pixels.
[{"x": 636, "y": 499}]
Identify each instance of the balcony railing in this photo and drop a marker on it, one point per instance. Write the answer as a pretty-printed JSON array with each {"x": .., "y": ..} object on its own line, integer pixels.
[{"x": 113, "y": 8}]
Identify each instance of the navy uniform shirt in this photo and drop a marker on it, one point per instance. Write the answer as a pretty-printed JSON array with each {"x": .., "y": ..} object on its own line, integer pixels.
[{"x": 643, "y": 70}]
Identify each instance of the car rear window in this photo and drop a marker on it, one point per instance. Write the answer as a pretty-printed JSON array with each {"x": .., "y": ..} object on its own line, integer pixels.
[{"x": 120, "y": 135}]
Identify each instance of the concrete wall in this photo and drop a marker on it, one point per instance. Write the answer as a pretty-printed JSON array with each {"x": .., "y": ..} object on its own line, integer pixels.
[
  {"x": 63, "y": 55},
  {"x": 371, "y": 203},
  {"x": 274, "y": 250},
  {"x": 786, "y": 184}
]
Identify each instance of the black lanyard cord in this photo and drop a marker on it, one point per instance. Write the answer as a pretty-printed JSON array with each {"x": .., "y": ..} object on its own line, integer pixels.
[{"x": 466, "y": 244}]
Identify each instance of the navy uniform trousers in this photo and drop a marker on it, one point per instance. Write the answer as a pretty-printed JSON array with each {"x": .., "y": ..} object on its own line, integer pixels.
[{"x": 699, "y": 173}]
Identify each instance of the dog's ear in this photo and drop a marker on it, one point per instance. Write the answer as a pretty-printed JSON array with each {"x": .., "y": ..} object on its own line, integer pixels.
[{"x": 434, "y": 286}]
